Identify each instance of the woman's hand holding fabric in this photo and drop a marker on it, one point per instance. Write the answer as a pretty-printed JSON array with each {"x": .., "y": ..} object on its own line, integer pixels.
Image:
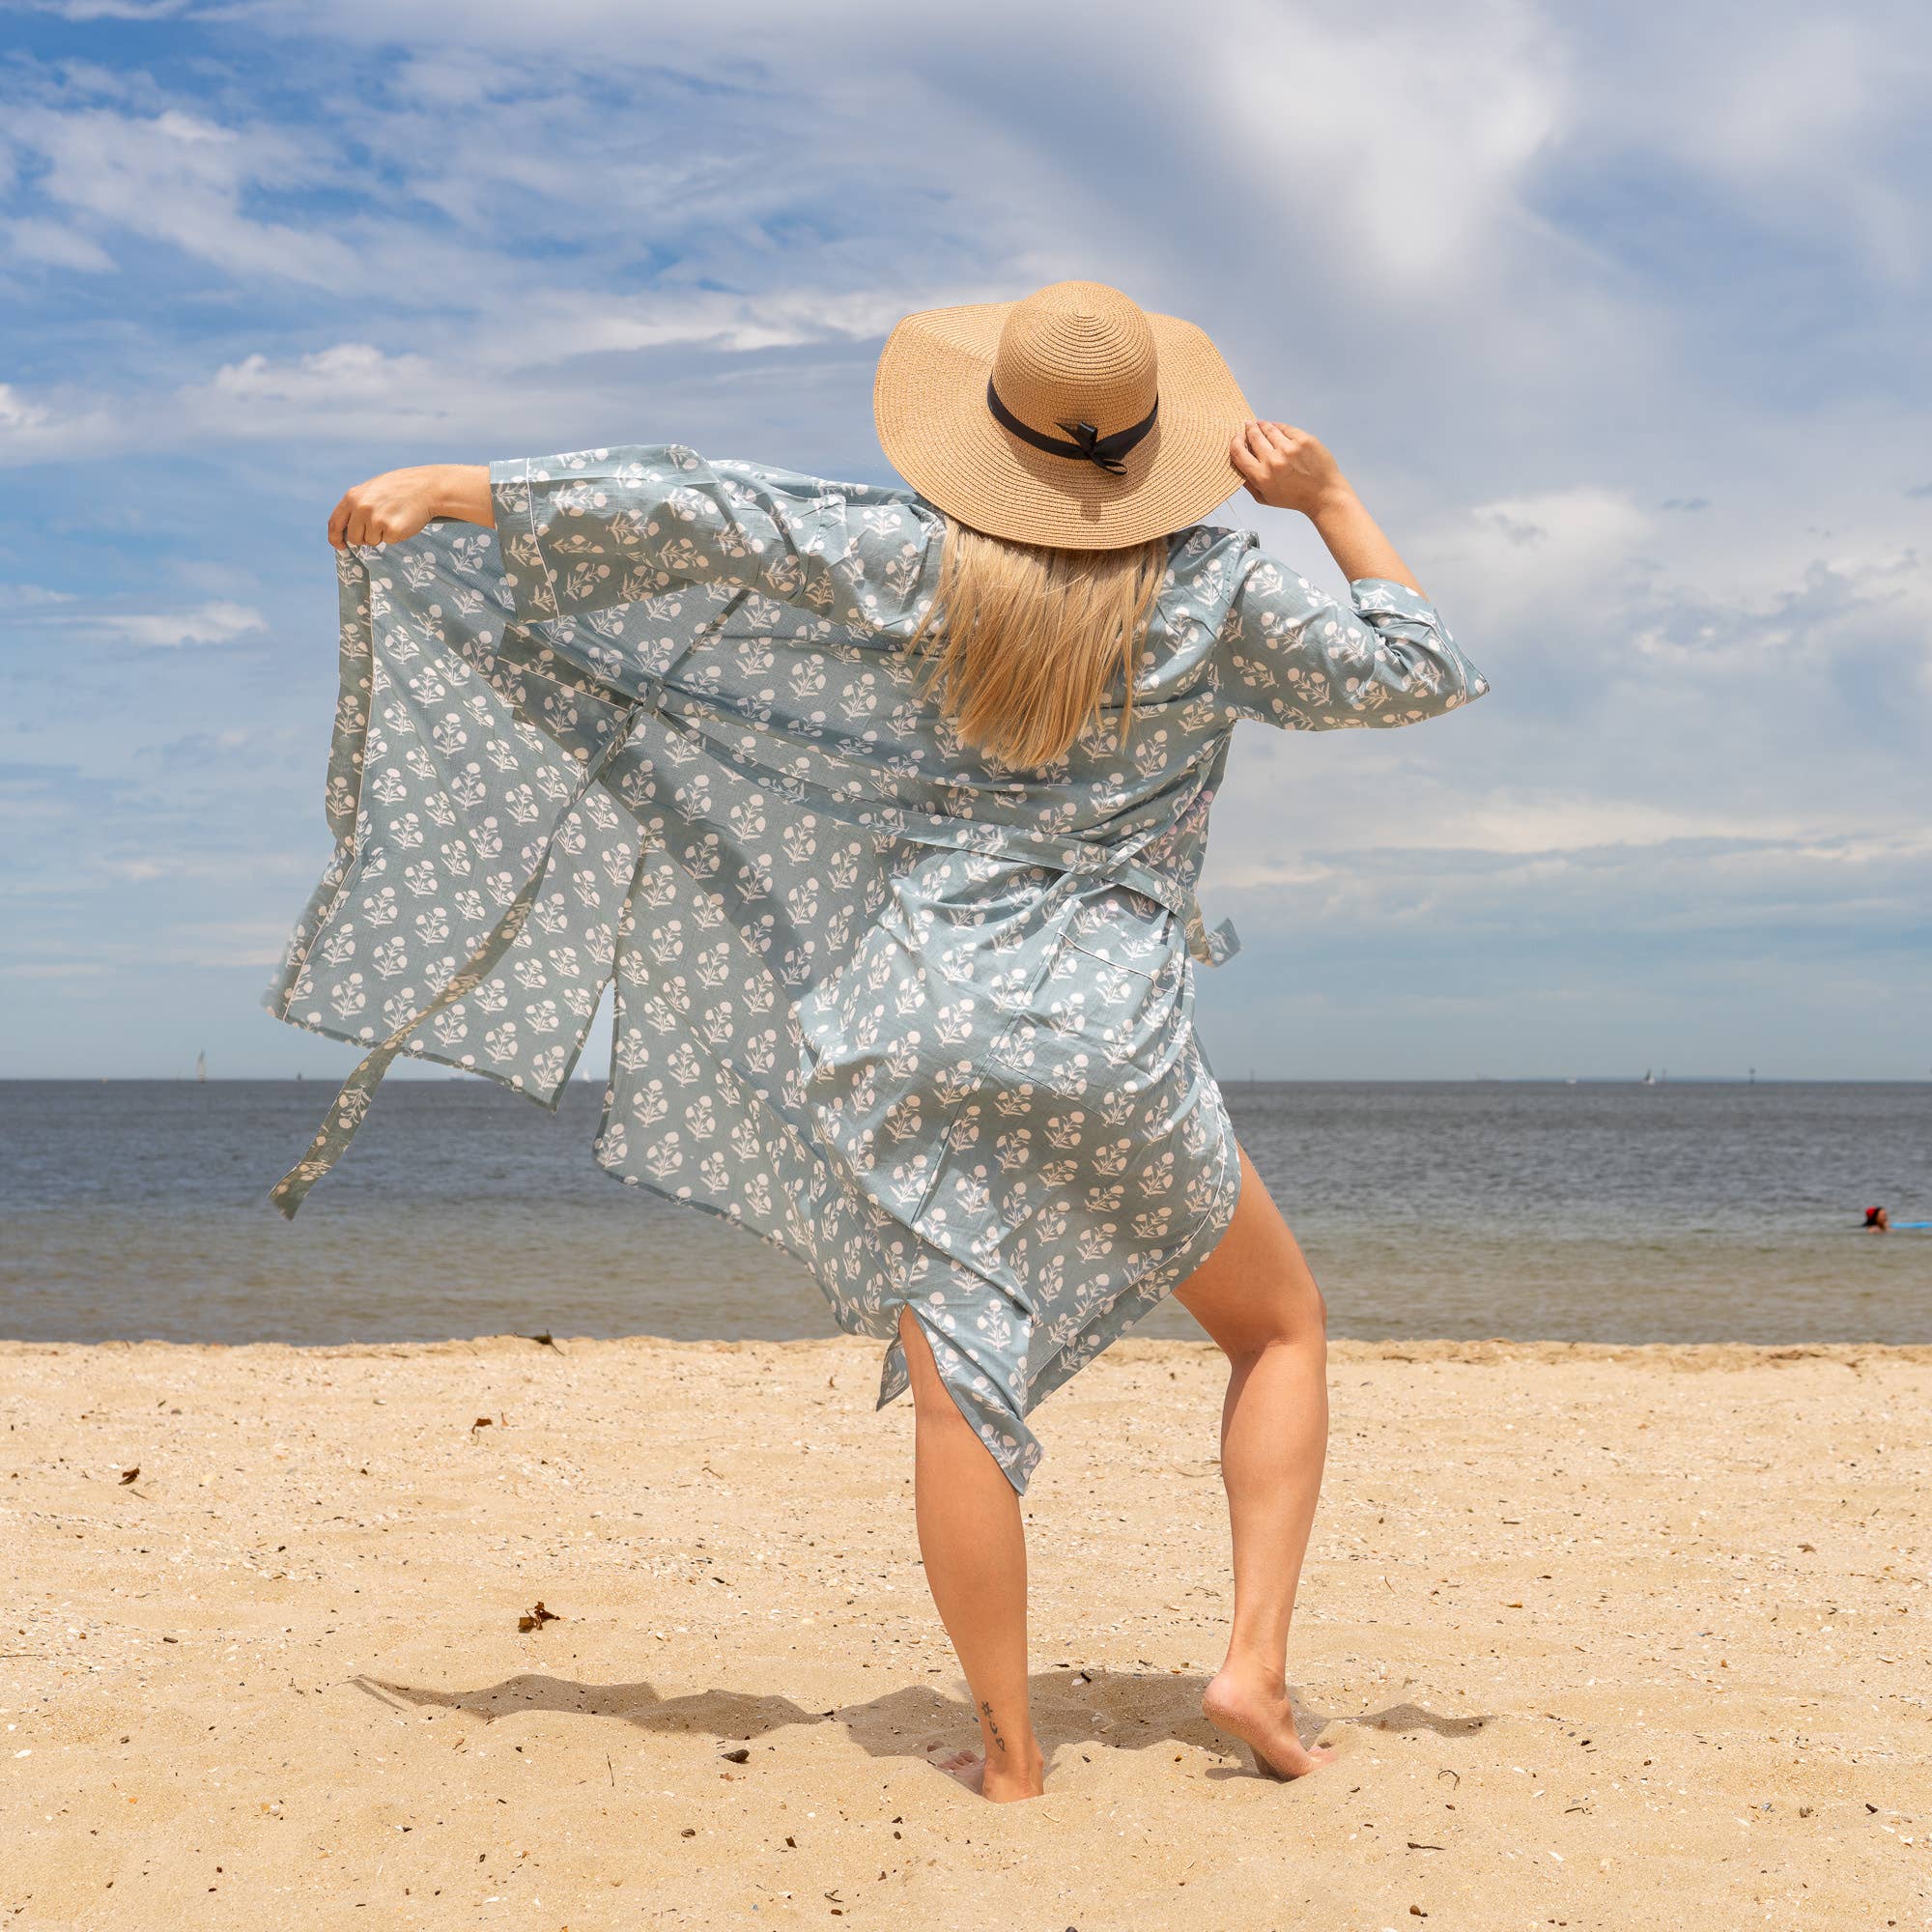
[{"x": 394, "y": 506}]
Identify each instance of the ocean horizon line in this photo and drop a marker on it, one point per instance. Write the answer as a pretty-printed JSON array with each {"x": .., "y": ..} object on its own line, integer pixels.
[{"x": 425, "y": 1075}]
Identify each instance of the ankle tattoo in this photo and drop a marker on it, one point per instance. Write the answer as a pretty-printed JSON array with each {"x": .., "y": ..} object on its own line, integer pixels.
[{"x": 994, "y": 1728}]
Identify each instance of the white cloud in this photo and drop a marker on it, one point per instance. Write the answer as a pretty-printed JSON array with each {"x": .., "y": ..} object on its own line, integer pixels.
[
  {"x": 181, "y": 177},
  {"x": 357, "y": 392},
  {"x": 1520, "y": 548},
  {"x": 57, "y": 243},
  {"x": 32, "y": 431},
  {"x": 18, "y": 414},
  {"x": 350, "y": 389},
  {"x": 217, "y": 623},
  {"x": 112, "y": 10},
  {"x": 1412, "y": 133},
  {"x": 1529, "y": 822},
  {"x": 1798, "y": 115},
  {"x": 1599, "y": 894},
  {"x": 578, "y": 325},
  {"x": 347, "y": 372},
  {"x": 1844, "y": 602}
]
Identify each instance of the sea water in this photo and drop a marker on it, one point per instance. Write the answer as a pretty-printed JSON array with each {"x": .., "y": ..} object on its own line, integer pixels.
[{"x": 1599, "y": 1212}]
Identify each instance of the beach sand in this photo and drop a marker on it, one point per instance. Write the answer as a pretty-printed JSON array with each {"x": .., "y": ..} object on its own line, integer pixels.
[{"x": 1606, "y": 1637}]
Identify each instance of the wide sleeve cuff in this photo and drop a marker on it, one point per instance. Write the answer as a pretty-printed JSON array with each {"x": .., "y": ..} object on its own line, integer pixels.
[
  {"x": 1410, "y": 626},
  {"x": 1383, "y": 597}
]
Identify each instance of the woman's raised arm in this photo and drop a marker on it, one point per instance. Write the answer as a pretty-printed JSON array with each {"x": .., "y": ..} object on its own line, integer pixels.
[
  {"x": 595, "y": 529},
  {"x": 1288, "y": 470},
  {"x": 1292, "y": 656},
  {"x": 394, "y": 506},
  {"x": 592, "y": 530}
]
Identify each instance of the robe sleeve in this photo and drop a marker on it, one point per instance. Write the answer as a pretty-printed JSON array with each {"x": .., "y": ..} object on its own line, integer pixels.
[
  {"x": 590, "y": 531},
  {"x": 468, "y": 913},
  {"x": 1290, "y": 655}
]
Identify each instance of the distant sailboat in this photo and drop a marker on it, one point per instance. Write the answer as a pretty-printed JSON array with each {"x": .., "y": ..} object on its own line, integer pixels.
[
  {"x": 1649, "y": 1078},
  {"x": 200, "y": 1066}
]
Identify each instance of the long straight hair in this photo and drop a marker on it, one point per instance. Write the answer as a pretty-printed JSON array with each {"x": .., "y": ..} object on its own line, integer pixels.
[{"x": 1026, "y": 641}]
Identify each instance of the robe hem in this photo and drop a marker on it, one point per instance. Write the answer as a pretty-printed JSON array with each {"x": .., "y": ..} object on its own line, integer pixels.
[
  {"x": 1188, "y": 1260},
  {"x": 523, "y": 1091}
]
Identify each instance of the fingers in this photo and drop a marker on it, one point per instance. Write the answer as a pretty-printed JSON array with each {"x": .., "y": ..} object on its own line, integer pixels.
[
  {"x": 352, "y": 521},
  {"x": 1277, "y": 461},
  {"x": 1251, "y": 449},
  {"x": 356, "y": 520},
  {"x": 1264, "y": 442}
]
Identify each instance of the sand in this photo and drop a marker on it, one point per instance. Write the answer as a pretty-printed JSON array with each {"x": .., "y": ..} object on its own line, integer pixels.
[{"x": 1606, "y": 1638}]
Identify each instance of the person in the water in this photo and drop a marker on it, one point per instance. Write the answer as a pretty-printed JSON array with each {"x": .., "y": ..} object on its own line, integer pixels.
[{"x": 1877, "y": 1217}]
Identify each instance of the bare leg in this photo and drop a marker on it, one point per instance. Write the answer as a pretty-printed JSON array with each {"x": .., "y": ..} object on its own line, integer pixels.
[
  {"x": 974, "y": 1544},
  {"x": 1255, "y": 1295}
]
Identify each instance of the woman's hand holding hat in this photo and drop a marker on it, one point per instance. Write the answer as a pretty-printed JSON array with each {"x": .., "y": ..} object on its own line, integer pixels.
[{"x": 1286, "y": 468}]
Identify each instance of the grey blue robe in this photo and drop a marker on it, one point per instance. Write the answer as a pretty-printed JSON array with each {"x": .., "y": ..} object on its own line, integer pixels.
[{"x": 923, "y": 1020}]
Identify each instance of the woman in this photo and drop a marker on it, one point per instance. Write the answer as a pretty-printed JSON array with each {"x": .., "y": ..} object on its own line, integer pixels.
[{"x": 883, "y": 811}]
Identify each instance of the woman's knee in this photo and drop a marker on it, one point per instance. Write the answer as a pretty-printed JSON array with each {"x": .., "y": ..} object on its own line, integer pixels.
[
  {"x": 1305, "y": 1310},
  {"x": 1288, "y": 1311}
]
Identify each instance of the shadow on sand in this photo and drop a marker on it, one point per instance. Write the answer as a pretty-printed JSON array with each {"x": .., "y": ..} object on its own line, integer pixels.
[{"x": 1123, "y": 1710}]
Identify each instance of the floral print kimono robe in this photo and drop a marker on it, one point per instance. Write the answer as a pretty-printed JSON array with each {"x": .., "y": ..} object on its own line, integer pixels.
[{"x": 921, "y": 1021}]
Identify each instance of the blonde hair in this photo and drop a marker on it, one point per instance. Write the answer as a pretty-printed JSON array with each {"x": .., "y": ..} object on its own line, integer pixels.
[{"x": 1025, "y": 639}]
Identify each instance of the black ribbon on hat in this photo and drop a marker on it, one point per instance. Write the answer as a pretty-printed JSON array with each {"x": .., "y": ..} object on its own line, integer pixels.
[{"x": 1086, "y": 441}]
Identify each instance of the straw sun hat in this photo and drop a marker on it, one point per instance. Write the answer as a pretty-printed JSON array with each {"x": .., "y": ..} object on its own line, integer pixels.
[{"x": 1071, "y": 418}]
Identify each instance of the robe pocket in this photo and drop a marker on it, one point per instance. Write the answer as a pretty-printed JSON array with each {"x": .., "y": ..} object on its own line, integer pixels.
[
  {"x": 1123, "y": 930},
  {"x": 1121, "y": 992}
]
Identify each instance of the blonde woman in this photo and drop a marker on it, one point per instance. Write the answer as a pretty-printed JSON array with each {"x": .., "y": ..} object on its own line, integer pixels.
[{"x": 883, "y": 810}]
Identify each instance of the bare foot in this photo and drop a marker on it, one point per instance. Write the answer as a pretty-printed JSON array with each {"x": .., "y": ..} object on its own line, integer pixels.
[
  {"x": 968, "y": 1767},
  {"x": 1002, "y": 1787},
  {"x": 1262, "y": 1717}
]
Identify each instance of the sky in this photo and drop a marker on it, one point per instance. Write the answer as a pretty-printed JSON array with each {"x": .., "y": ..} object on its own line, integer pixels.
[{"x": 1615, "y": 316}]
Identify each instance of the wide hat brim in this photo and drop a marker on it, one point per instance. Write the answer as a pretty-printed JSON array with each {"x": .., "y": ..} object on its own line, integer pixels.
[{"x": 929, "y": 405}]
